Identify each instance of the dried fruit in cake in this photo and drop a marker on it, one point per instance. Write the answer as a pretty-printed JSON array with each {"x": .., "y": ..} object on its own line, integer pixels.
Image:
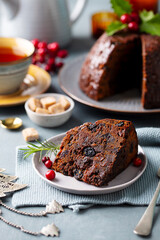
[{"x": 97, "y": 152}]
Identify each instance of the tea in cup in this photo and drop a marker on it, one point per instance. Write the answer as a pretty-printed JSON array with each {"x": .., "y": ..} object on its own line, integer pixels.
[{"x": 15, "y": 58}]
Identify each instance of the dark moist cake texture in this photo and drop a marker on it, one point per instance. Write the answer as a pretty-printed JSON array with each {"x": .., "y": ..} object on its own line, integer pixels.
[
  {"x": 116, "y": 63},
  {"x": 151, "y": 71},
  {"x": 97, "y": 152},
  {"x": 108, "y": 66}
]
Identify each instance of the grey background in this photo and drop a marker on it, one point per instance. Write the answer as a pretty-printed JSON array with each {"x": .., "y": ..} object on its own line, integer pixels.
[{"x": 99, "y": 222}]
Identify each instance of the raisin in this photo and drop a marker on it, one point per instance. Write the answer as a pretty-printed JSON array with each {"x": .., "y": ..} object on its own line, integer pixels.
[
  {"x": 96, "y": 171},
  {"x": 71, "y": 137},
  {"x": 120, "y": 124},
  {"x": 86, "y": 159},
  {"x": 77, "y": 174},
  {"x": 65, "y": 172},
  {"x": 106, "y": 136},
  {"x": 96, "y": 180},
  {"x": 92, "y": 127},
  {"x": 64, "y": 153},
  {"x": 75, "y": 151},
  {"x": 89, "y": 151}
]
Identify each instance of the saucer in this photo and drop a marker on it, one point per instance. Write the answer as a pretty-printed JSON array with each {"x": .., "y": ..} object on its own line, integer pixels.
[
  {"x": 69, "y": 184},
  {"x": 37, "y": 81}
]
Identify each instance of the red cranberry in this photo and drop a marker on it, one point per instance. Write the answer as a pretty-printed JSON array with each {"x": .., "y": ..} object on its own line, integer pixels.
[
  {"x": 137, "y": 162},
  {"x": 42, "y": 59},
  {"x": 41, "y": 51},
  {"x": 53, "y": 47},
  {"x": 50, "y": 175},
  {"x": 135, "y": 17},
  {"x": 51, "y": 61},
  {"x": 44, "y": 159},
  {"x": 42, "y": 45},
  {"x": 62, "y": 53},
  {"x": 35, "y": 42},
  {"x": 59, "y": 64},
  {"x": 48, "y": 164},
  {"x": 125, "y": 18},
  {"x": 34, "y": 54},
  {"x": 133, "y": 26},
  {"x": 52, "y": 54},
  {"x": 48, "y": 68},
  {"x": 34, "y": 60}
]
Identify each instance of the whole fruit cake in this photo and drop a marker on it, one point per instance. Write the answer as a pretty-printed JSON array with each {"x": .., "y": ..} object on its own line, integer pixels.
[
  {"x": 97, "y": 152},
  {"x": 120, "y": 62}
]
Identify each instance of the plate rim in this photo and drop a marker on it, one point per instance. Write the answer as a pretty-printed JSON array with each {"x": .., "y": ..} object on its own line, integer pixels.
[
  {"x": 97, "y": 191},
  {"x": 26, "y": 97},
  {"x": 78, "y": 59}
]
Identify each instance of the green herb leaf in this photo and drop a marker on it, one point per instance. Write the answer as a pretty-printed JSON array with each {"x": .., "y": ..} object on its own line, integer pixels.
[
  {"x": 153, "y": 29},
  {"x": 115, "y": 27},
  {"x": 146, "y": 15},
  {"x": 121, "y": 6},
  {"x": 45, "y": 146},
  {"x": 150, "y": 23}
]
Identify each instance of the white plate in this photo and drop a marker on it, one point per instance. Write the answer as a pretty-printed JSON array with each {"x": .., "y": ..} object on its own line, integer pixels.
[
  {"x": 125, "y": 102},
  {"x": 71, "y": 185}
]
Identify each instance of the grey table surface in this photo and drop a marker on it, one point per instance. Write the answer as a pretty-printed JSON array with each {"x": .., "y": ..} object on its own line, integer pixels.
[{"x": 99, "y": 222}]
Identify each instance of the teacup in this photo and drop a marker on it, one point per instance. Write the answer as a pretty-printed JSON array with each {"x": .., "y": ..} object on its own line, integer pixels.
[{"x": 15, "y": 58}]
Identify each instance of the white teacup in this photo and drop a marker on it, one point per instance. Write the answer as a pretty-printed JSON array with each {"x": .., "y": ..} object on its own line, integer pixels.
[{"x": 12, "y": 73}]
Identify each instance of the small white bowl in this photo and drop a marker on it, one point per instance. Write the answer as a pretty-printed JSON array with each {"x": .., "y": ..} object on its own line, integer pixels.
[{"x": 50, "y": 120}]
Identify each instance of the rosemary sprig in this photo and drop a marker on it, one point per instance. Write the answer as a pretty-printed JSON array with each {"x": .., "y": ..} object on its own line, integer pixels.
[{"x": 43, "y": 146}]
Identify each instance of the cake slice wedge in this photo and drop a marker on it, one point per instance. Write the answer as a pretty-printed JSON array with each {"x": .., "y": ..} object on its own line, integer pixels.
[{"x": 97, "y": 152}]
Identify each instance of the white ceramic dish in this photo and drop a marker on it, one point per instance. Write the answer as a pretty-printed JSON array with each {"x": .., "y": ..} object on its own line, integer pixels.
[
  {"x": 71, "y": 185},
  {"x": 50, "y": 120},
  {"x": 126, "y": 102}
]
